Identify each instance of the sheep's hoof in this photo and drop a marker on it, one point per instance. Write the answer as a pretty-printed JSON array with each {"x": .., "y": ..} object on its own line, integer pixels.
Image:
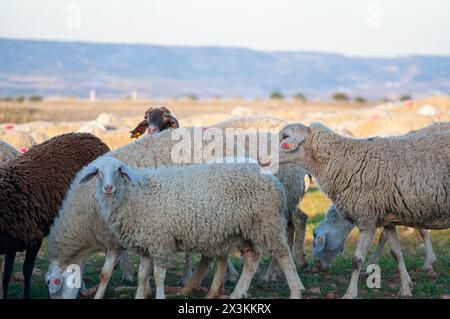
[
  {"x": 212, "y": 295},
  {"x": 427, "y": 267},
  {"x": 186, "y": 291},
  {"x": 238, "y": 296},
  {"x": 296, "y": 295},
  {"x": 350, "y": 295},
  {"x": 404, "y": 292}
]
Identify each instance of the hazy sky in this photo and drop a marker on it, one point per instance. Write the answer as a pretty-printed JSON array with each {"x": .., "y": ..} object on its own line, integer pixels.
[{"x": 354, "y": 27}]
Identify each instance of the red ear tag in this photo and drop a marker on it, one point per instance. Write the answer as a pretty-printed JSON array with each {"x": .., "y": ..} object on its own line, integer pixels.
[
  {"x": 288, "y": 146},
  {"x": 57, "y": 281}
]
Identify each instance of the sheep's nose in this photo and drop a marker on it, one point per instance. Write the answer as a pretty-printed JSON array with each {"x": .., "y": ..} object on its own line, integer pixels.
[
  {"x": 152, "y": 130},
  {"x": 107, "y": 189},
  {"x": 264, "y": 161}
]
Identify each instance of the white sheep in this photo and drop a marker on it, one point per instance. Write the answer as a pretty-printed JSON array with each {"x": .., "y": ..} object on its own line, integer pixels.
[
  {"x": 78, "y": 231},
  {"x": 330, "y": 236},
  {"x": 376, "y": 182},
  {"x": 209, "y": 208}
]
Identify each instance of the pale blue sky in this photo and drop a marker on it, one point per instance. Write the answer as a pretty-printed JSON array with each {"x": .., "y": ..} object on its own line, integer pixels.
[{"x": 353, "y": 27}]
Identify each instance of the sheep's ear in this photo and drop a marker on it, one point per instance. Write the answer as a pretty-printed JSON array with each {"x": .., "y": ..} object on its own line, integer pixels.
[
  {"x": 292, "y": 143},
  {"x": 139, "y": 129},
  {"x": 89, "y": 174},
  {"x": 164, "y": 109},
  {"x": 173, "y": 122},
  {"x": 128, "y": 173},
  {"x": 319, "y": 242}
]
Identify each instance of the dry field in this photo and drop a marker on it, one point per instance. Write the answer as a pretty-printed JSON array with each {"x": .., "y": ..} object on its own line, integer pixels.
[{"x": 24, "y": 124}]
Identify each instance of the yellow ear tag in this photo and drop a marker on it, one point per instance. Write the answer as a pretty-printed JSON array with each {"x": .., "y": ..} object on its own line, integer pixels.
[
  {"x": 138, "y": 134},
  {"x": 173, "y": 125}
]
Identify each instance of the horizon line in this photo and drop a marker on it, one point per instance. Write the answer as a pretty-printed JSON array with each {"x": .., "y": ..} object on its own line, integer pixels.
[{"x": 194, "y": 46}]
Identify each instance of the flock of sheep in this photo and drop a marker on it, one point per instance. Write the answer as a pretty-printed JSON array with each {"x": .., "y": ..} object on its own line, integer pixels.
[{"x": 88, "y": 199}]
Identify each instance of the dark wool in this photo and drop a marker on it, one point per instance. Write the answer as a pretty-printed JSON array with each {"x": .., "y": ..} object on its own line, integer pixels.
[{"x": 33, "y": 185}]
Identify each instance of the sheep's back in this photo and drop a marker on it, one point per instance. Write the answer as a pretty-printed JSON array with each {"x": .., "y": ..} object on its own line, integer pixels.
[
  {"x": 207, "y": 208},
  {"x": 403, "y": 176}
]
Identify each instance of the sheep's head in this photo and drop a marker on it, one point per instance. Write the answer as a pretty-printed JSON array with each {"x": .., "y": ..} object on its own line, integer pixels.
[
  {"x": 329, "y": 238},
  {"x": 112, "y": 176},
  {"x": 63, "y": 284},
  {"x": 292, "y": 139},
  {"x": 156, "y": 119}
]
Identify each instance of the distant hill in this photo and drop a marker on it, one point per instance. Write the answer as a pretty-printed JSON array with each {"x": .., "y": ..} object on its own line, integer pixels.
[{"x": 114, "y": 70}]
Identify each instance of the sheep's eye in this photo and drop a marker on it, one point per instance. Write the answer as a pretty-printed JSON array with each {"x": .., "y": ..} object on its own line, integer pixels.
[{"x": 285, "y": 136}]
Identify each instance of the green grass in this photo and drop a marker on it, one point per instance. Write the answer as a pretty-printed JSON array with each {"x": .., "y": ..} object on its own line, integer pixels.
[{"x": 315, "y": 204}]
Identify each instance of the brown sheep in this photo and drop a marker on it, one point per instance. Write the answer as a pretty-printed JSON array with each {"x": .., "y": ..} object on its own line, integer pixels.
[
  {"x": 32, "y": 187},
  {"x": 156, "y": 119}
]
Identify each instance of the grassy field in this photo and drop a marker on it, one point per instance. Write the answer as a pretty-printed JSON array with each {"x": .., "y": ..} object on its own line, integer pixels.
[{"x": 331, "y": 284}]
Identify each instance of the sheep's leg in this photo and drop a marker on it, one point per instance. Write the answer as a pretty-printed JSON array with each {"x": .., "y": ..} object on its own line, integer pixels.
[
  {"x": 27, "y": 269},
  {"x": 127, "y": 267},
  {"x": 271, "y": 272},
  {"x": 299, "y": 219},
  {"x": 375, "y": 258},
  {"x": 364, "y": 240},
  {"x": 219, "y": 278},
  {"x": 187, "y": 270},
  {"x": 284, "y": 258},
  {"x": 252, "y": 256},
  {"x": 430, "y": 256},
  {"x": 406, "y": 282},
  {"x": 197, "y": 277},
  {"x": 110, "y": 261},
  {"x": 144, "y": 289},
  {"x": 232, "y": 274},
  {"x": 2, "y": 259},
  {"x": 9, "y": 264},
  {"x": 159, "y": 273}
]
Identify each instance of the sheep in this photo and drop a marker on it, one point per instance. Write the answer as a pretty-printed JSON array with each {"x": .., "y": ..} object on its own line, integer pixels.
[
  {"x": 102, "y": 123},
  {"x": 32, "y": 187},
  {"x": 266, "y": 123},
  {"x": 292, "y": 178},
  {"x": 156, "y": 119},
  {"x": 18, "y": 139},
  {"x": 331, "y": 234},
  {"x": 376, "y": 182},
  {"x": 7, "y": 153},
  {"x": 210, "y": 208},
  {"x": 290, "y": 175},
  {"x": 78, "y": 231}
]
